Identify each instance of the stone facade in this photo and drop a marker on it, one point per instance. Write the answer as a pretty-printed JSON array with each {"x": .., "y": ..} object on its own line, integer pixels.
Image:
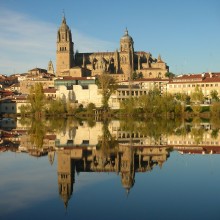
[
  {"x": 27, "y": 84},
  {"x": 120, "y": 64}
]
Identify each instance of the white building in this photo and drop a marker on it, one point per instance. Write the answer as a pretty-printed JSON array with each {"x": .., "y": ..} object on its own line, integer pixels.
[{"x": 85, "y": 95}]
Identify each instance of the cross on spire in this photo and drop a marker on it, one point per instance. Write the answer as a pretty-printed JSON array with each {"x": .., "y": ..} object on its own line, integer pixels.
[{"x": 64, "y": 18}]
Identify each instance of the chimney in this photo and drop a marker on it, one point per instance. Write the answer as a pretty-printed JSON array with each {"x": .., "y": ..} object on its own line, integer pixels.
[{"x": 210, "y": 74}]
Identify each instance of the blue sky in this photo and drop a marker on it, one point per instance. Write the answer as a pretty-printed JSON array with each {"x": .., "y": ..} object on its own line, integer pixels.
[{"x": 185, "y": 33}]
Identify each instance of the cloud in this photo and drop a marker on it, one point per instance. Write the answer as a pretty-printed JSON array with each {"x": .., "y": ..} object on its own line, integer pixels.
[{"x": 27, "y": 43}]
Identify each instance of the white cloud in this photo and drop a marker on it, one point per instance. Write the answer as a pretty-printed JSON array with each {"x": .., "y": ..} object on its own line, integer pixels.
[{"x": 27, "y": 43}]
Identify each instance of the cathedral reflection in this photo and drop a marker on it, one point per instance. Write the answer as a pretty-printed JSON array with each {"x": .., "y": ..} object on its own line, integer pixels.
[
  {"x": 112, "y": 147},
  {"x": 125, "y": 161}
]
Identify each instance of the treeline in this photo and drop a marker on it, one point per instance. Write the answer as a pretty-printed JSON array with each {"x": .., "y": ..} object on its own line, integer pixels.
[
  {"x": 153, "y": 104},
  {"x": 41, "y": 106}
]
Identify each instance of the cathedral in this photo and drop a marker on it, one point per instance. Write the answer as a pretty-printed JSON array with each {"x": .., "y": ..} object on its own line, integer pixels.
[{"x": 122, "y": 64}]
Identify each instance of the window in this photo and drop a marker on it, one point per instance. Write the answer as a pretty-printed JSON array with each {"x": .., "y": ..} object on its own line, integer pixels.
[{"x": 85, "y": 142}]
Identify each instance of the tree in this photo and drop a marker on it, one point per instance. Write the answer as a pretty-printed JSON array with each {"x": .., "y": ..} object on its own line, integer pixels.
[
  {"x": 134, "y": 75},
  {"x": 24, "y": 109},
  {"x": 36, "y": 98},
  {"x": 90, "y": 108},
  {"x": 128, "y": 106},
  {"x": 197, "y": 96},
  {"x": 56, "y": 107},
  {"x": 183, "y": 97},
  {"x": 37, "y": 132},
  {"x": 140, "y": 75},
  {"x": 215, "y": 109},
  {"x": 169, "y": 74},
  {"x": 214, "y": 95},
  {"x": 108, "y": 85}
]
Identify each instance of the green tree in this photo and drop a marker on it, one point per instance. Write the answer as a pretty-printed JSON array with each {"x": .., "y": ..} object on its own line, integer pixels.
[
  {"x": 128, "y": 106},
  {"x": 107, "y": 143},
  {"x": 215, "y": 109},
  {"x": 37, "y": 132},
  {"x": 214, "y": 95},
  {"x": 108, "y": 86},
  {"x": 36, "y": 98},
  {"x": 134, "y": 75},
  {"x": 197, "y": 96},
  {"x": 56, "y": 107},
  {"x": 140, "y": 75},
  {"x": 24, "y": 110},
  {"x": 169, "y": 74},
  {"x": 183, "y": 97},
  {"x": 90, "y": 108}
]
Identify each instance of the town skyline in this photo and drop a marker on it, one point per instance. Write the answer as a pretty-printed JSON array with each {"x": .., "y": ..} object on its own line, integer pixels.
[{"x": 191, "y": 48}]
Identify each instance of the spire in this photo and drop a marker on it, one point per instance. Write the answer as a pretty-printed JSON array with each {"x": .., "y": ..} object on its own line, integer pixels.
[
  {"x": 159, "y": 58},
  {"x": 127, "y": 192},
  {"x": 64, "y": 18},
  {"x": 126, "y": 32}
]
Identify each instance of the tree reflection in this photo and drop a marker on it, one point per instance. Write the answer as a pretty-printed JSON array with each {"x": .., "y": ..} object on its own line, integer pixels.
[
  {"x": 107, "y": 142},
  {"x": 153, "y": 128},
  {"x": 37, "y": 132}
]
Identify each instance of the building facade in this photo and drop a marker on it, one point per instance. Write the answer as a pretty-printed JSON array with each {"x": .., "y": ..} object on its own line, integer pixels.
[
  {"x": 186, "y": 84},
  {"x": 121, "y": 64}
]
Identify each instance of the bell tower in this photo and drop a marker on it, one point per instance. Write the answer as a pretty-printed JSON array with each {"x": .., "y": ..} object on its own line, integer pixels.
[
  {"x": 127, "y": 54},
  {"x": 65, "y": 52},
  {"x": 66, "y": 175}
]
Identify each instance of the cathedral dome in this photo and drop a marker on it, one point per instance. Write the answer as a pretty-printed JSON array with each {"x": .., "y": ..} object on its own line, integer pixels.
[{"x": 126, "y": 36}]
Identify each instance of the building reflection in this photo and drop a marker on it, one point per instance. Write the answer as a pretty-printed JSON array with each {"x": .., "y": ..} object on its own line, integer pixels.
[
  {"x": 107, "y": 148},
  {"x": 125, "y": 161}
]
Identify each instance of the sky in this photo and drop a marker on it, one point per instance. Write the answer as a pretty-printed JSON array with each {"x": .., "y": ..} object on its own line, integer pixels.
[{"x": 185, "y": 33}]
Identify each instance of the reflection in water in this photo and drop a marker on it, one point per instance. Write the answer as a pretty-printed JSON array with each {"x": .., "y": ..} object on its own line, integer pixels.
[
  {"x": 113, "y": 146},
  {"x": 126, "y": 161}
]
